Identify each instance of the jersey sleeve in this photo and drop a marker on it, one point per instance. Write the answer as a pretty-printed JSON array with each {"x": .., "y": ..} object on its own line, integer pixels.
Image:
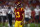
[{"x": 22, "y": 9}]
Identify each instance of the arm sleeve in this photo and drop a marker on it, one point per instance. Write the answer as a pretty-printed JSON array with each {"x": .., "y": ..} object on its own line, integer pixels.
[{"x": 22, "y": 9}]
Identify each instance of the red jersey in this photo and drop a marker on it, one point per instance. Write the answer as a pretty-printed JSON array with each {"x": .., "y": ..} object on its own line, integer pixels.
[
  {"x": 33, "y": 14},
  {"x": 18, "y": 14}
]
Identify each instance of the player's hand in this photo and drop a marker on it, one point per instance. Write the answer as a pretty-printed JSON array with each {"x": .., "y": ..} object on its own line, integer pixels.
[{"x": 21, "y": 23}]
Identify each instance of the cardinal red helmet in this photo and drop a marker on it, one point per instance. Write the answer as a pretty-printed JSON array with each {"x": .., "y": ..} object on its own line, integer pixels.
[{"x": 18, "y": 4}]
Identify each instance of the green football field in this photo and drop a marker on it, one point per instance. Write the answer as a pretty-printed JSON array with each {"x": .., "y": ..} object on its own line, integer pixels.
[{"x": 31, "y": 25}]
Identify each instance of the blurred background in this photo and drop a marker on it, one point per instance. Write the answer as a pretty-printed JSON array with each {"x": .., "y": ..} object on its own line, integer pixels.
[{"x": 31, "y": 4}]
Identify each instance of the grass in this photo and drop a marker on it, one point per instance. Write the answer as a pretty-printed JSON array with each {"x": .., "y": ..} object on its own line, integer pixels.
[{"x": 31, "y": 25}]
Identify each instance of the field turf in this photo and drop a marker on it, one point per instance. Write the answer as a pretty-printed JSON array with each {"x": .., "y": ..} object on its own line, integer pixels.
[{"x": 31, "y": 25}]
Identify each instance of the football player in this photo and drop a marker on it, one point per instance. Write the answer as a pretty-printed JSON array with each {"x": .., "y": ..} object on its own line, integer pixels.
[
  {"x": 33, "y": 15},
  {"x": 19, "y": 15},
  {"x": 36, "y": 15},
  {"x": 27, "y": 16},
  {"x": 10, "y": 16},
  {"x": 4, "y": 14}
]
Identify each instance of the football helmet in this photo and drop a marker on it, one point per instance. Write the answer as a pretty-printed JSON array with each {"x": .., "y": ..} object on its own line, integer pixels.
[{"x": 18, "y": 4}]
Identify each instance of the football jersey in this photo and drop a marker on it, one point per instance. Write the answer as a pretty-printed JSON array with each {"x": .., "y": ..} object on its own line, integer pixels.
[
  {"x": 27, "y": 13},
  {"x": 10, "y": 11},
  {"x": 36, "y": 11},
  {"x": 13, "y": 11},
  {"x": 4, "y": 12},
  {"x": 33, "y": 13},
  {"x": 18, "y": 14}
]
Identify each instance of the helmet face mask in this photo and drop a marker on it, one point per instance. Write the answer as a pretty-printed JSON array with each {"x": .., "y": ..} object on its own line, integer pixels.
[{"x": 18, "y": 4}]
